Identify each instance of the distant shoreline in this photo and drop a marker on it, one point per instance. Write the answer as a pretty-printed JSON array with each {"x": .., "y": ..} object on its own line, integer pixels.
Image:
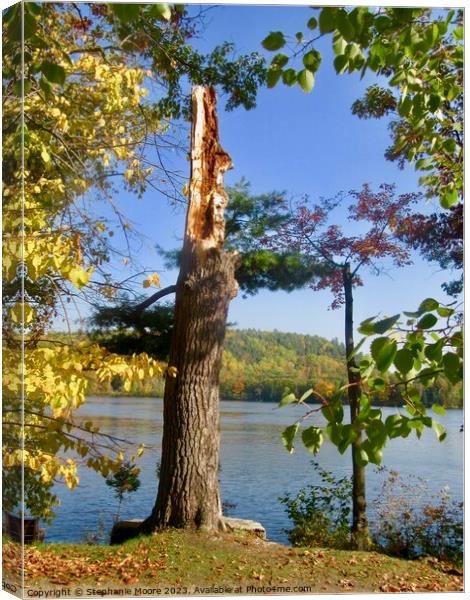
[{"x": 152, "y": 396}]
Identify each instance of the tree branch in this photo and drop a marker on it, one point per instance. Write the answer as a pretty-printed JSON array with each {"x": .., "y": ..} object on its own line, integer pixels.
[{"x": 171, "y": 289}]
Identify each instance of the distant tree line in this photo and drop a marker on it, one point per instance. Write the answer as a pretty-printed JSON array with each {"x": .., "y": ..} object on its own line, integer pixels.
[{"x": 259, "y": 366}]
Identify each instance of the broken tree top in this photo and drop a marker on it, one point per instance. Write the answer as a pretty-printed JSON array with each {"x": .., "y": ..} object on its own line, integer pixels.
[{"x": 209, "y": 162}]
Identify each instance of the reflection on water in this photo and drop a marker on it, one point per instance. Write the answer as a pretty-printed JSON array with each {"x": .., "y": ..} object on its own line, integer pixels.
[{"x": 255, "y": 467}]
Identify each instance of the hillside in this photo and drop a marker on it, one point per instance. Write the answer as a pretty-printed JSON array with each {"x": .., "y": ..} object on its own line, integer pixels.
[{"x": 263, "y": 365}]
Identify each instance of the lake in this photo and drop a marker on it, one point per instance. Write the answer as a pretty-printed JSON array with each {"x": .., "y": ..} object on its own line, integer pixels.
[{"x": 255, "y": 467}]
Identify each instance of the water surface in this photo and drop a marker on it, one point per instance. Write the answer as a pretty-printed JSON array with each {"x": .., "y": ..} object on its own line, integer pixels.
[{"x": 255, "y": 467}]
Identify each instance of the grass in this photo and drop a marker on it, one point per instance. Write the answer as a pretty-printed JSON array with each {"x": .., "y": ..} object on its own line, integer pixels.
[{"x": 194, "y": 562}]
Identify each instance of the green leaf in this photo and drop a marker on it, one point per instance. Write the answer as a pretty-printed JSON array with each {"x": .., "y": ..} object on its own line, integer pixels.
[
  {"x": 383, "y": 351},
  {"x": 46, "y": 87},
  {"x": 440, "y": 430},
  {"x": 427, "y": 321},
  {"x": 378, "y": 383},
  {"x": 162, "y": 11},
  {"x": 453, "y": 367},
  {"x": 312, "y": 438},
  {"x": 445, "y": 311},
  {"x": 299, "y": 36},
  {"x": 373, "y": 451},
  {"x": 339, "y": 44},
  {"x": 273, "y": 76},
  {"x": 458, "y": 33},
  {"x": 397, "y": 426},
  {"x": 450, "y": 198},
  {"x": 439, "y": 409},
  {"x": 30, "y": 25},
  {"x": 312, "y": 60},
  {"x": 334, "y": 431},
  {"x": 288, "y": 437},
  {"x": 33, "y": 8},
  {"x": 53, "y": 72},
  {"x": 344, "y": 25},
  {"x": 434, "y": 102},
  {"x": 428, "y": 305},
  {"x": 305, "y": 395},
  {"x": 361, "y": 458},
  {"x": 18, "y": 89},
  {"x": 348, "y": 435},
  {"x": 289, "y": 76},
  {"x": 126, "y": 12},
  {"x": 403, "y": 15},
  {"x": 328, "y": 413},
  {"x": 312, "y": 23},
  {"x": 340, "y": 63},
  {"x": 15, "y": 28},
  {"x": 356, "y": 349},
  {"x": 403, "y": 361},
  {"x": 385, "y": 324},
  {"x": 366, "y": 327},
  {"x": 327, "y": 20},
  {"x": 274, "y": 41},
  {"x": 280, "y": 60},
  {"x": 289, "y": 399},
  {"x": 433, "y": 352},
  {"x": 306, "y": 80}
]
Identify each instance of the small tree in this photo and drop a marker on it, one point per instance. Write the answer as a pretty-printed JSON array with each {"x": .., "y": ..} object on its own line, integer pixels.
[
  {"x": 124, "y": 481},
  {"x": 309, "y": 233}
]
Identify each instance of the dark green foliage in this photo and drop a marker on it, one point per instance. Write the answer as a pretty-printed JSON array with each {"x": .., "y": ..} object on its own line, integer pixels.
[
  {"x": 122, "y": 330},
  {"x": 321, "y": 514},
  {"x": 249, "y": 221},
  {"x": 407, "y": 527}
]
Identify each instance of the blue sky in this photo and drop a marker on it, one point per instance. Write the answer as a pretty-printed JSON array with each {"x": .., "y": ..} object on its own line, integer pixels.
[{"x": 301, "y": 144}]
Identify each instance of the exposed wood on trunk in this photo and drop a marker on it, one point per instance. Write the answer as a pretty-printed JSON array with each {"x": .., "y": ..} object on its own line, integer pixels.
[{"x": 188, "y": 492}]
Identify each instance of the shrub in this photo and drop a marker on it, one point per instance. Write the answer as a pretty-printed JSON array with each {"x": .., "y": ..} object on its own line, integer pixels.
[
  {"x": 401, "y": 523},
  {"x": 404, "y": 526},
  {"x": 321, "y": 514},
  {"x": 124, "y": 481}
]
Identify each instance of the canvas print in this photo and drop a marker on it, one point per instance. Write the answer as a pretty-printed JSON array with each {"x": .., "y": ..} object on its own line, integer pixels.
[{"x": 232, "y": 299}]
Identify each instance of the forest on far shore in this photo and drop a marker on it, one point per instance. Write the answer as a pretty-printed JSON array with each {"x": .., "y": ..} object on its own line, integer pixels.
[{"x": 264, "y": 366}]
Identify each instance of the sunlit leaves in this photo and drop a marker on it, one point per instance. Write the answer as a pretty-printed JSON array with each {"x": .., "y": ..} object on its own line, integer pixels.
[
  {"x": 153, "y": 279},
  {"x": 288, "y": 437},
  {"x": 383, "y": 351},
  {"x": 306, "y": 80},
  {"x": 422, "y": 58},
  {"x": 162, "y": 11},
  {"x": 312, "y": 438},
  {"x": 83, "y": 117},
  {"x": 288, "y": 399},
  {"x": 312, "y": 60}
]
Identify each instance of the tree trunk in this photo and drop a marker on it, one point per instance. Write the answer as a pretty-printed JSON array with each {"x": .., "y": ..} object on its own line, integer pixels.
[
  {"x": 188, "y": 491},
  {"x": 360, "y": 527}
]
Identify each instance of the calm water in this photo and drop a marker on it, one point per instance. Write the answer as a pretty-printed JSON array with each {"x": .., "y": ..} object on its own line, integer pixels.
[{"x": 255, "y": 467}]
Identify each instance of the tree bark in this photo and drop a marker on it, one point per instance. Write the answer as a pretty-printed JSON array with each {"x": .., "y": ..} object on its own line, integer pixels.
[
  {"x": 360, "y": 528},
  {"x": 188, "y": 490}
]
